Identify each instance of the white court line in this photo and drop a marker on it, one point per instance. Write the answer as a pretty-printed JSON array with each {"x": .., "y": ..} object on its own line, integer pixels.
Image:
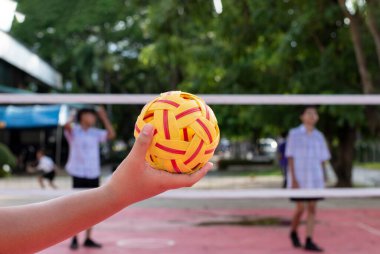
[
  {"x": 270, "y": 193},
  {"x": 368, "y": 228},
  {"x": 226, "y": 99},
  {"x": 220, "y": 193}
]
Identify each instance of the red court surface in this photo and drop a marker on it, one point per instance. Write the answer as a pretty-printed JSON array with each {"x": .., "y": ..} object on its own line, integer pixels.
[{"x": 171, "y": 230}]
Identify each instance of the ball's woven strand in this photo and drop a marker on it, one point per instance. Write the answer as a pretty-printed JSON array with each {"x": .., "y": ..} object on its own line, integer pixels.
[{"x": 186, "y": 132}]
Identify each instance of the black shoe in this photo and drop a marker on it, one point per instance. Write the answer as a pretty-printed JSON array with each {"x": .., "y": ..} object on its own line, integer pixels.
[
  {"x": 74, "y": 243},
  {"x": 311, "y": 246},
  {"x": 91, "y": 244},
  {"x": 295, "y": 240}
]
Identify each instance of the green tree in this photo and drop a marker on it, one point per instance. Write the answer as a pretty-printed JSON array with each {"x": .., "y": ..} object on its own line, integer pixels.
[{"x": 260, "y": 47}]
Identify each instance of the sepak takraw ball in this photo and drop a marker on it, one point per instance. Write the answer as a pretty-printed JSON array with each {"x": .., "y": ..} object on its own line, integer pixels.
[{"x": 186, "y": 132}]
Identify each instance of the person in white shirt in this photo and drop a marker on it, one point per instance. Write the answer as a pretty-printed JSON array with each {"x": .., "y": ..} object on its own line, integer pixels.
[
  {"x": 46, "y": 167},
  {"x": 307, "y": 153},
  {"x": 84, "y": 156}
]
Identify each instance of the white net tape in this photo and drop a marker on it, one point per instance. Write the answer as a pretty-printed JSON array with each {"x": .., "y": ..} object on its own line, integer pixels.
[
  {"x": 209, "y": 98},
  {"x": 220, "y": 193},
  {"x": 134, "y": 99}
]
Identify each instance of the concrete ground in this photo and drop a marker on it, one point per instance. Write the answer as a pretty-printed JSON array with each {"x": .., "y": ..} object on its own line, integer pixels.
[
  {"x": 225, "y": 226},
  {"x": 163, "y": 225},
  {"x": 234, "y": 179}
]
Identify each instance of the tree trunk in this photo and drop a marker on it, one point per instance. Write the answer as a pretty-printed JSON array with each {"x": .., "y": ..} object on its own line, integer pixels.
[
  {"x": 345, "y": 156},
  {"x": 372, "y": 115},
  {"x": 347, "y": 138},
  {"x": 176, "y": 77},
  {"x": 372, "y": 26},
  {"x": 358, "y": 47}
]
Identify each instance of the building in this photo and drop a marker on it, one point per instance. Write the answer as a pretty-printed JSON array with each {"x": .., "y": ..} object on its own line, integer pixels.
[
  {"x": 23, "y": 128},
  {"x": 22, "y": 69}
]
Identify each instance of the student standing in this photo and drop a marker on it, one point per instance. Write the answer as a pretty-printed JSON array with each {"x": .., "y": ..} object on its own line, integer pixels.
[
  {"x": 307, "y": 153},
  {"x": 84, "y": 156}
]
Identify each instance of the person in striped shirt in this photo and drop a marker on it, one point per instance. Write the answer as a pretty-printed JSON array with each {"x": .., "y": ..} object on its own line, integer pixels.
[
  {"x": 307, "y": 153},
  {"x": 83, "y": 163}
]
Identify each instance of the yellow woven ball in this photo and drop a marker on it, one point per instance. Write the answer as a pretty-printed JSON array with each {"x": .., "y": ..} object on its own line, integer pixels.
[{"x": 186, "y": 132}]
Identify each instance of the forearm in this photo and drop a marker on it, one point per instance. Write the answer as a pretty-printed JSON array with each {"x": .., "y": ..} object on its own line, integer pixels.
[
  {"x": 68, "y": 124},
  {"x": 324, "y": 170},
  {"x": 110, "y": 130},
  {"x": 30, "y": 228},
  {"x": 55, "y": 220},
  {"x": 291, "y": 168}
]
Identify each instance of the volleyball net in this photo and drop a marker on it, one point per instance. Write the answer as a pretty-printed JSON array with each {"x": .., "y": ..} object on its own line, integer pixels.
[
  {"x": 212, "y": 99},
  {"x": 220, "y": 193}
]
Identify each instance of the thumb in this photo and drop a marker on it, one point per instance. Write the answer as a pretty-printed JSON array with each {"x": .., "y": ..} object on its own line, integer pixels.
[{"x": 142, "y": 142}]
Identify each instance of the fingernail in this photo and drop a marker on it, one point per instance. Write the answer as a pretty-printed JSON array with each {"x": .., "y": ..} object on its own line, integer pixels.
[{"x": 147, "y": 129}]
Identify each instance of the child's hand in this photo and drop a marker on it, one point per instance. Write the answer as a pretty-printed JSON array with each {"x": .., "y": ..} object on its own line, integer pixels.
[
  {"x": 102, "y": 113},
  {"x": 134, "y": 180}
]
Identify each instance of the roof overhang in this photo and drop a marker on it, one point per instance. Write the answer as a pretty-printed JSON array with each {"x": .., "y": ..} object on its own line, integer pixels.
[{"x": 19, "y": 56}]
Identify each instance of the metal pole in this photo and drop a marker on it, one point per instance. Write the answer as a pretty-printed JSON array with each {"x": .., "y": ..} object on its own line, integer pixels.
[{"x": 58, "y": 145}]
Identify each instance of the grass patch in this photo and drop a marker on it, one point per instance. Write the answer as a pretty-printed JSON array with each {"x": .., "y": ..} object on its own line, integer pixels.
[
  {"x": 267, "y": 170},
  {"x": 273, "y": 171},
  {"x": 249, "y": 222},
  {"x": 369, "y": 165}
]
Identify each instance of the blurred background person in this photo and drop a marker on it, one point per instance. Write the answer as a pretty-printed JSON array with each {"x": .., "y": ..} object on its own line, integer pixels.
[
  {"x": 307, "y": 153},
  {"x": 46, "y": 167},
  {"x": 84, "y": 155}
]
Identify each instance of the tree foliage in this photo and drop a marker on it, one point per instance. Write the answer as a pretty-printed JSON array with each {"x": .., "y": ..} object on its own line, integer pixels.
[{"x": 254, "y": 46}]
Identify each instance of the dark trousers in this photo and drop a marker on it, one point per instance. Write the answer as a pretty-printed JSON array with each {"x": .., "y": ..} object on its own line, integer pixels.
[{"x": 79, "y": 182}]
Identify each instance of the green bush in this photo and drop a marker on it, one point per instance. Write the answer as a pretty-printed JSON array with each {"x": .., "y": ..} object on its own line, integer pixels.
[
  {"x": 224, "y": 163},
  {"x": 6, "y": 158}
]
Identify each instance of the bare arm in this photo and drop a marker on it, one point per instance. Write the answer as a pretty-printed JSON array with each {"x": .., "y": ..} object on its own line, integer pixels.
[
  {"x": 30, "y": 228},
  {"x": 324, "y": 168},
  {"x": 292, "y": 173},
  {"x": 67, "y": 125},
  {"x": 106, "y": 122}
]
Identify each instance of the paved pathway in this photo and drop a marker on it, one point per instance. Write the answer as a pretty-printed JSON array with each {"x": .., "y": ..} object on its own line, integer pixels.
[
  {"x": 366, "y": 177},
  {"x": 142, "y": 230},
  {"x": 220, "y": 226}
]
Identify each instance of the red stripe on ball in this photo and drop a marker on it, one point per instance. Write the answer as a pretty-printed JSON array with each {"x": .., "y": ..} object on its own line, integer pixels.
[
  {"x": 148, "y": 115},
  {"x": 207, "y": 113},
  {"x": 175, "y": 104},
  {"x": 192, "y": 157},
  {"x": 175, "y": 166},
  {"x": 166, "y": 124},
  {"x": 187, "y": 112},
  {"x": 185, "y": 134},
  {"x": 137, "y": 128},
  {"x": 206, "y": 129},
  {"x": 209, "y": 151},
  {"x": 169, "y": 150}
]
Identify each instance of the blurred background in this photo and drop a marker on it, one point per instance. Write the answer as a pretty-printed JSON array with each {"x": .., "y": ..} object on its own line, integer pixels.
[
  {"x": 229, "y": 47},
  {"x": 327, "y": 47}
]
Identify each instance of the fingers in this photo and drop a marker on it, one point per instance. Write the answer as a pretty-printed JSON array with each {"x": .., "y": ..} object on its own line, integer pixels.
[
  {"x": 180, "y": 181},
  {"x": 142, "y": 143}
]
